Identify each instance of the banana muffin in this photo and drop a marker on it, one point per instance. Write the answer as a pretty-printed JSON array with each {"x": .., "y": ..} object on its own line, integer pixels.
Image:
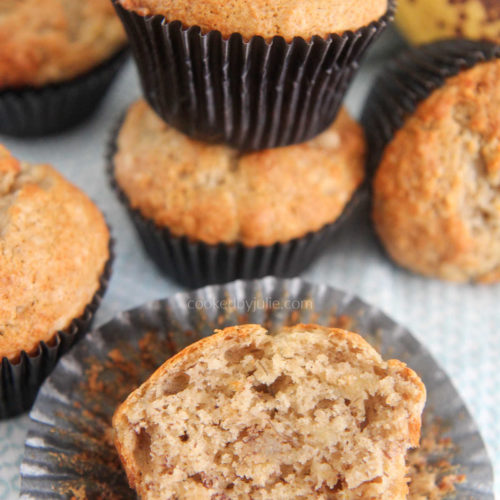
[
  {"x": 437, "y": 188},
  {"x": 251, "y": 75},
  {"x": 215, "y": 194},
  {"x": 266, "y": 18},
  {"x": 54, "y": 247},
  {"x": 308, "y": 412},
  {"x": 50, "y": 41}
]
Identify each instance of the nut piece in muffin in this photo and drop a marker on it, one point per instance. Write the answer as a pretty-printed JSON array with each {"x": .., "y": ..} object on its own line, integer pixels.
[
  {"x": 54, "y": 245},
  {"x": 51, "y": 41},
  {"x": 308, "y": 412},
  {"x": 214, "y": 194},
  {"x": 437, "y": 189},
  {"x": 266, "y": 18}
]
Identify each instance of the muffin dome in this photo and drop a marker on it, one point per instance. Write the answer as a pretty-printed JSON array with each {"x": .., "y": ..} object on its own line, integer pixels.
[
  {"x": 50, "y": 41},
  {"x": 214, "y": 194},
  {"x": 54, "y": 245},
  {"x": 437, "y": 189},
  {"x": 266, "y": 18}
]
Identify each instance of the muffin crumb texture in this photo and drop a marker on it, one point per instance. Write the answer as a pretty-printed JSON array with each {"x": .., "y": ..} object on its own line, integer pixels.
[
  {"x": 54, "y": 244},
  {"x": 50, "y": 41},
  {"x": 214, "y": 194},
  {"x": 308, "y": 412},
  {"x": 437, "y": 189},
  {"x": 433, "y": 477},
  {"x": 266, "y": 18}
]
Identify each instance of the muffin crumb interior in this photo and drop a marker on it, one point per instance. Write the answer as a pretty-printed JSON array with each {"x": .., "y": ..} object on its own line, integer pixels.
[{"x": 283, "y": 416}]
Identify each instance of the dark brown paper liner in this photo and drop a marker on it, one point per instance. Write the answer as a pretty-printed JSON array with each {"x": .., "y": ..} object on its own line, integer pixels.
[
  {"x": 253, "y": 94},
  {"x": 32, "y": 112},
  {"x": 21, "y": 379},
  {"x": 194, "y": 264},
  {"x": 408, "y": 80}
]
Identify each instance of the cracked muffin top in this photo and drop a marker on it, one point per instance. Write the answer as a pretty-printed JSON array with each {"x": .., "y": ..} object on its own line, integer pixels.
[
  {"x": 437, "y": 189},
  {"x": 50, "y": 41},
  {"x": 54, "y": 244},
  {"x": 214, "y": 194},
  {"x": 266, "y": 18}
]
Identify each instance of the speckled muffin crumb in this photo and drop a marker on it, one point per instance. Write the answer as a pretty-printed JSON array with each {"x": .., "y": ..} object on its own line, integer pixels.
[
  {"x": 437, "y": 189},
  {"x": 266, "y": 18},
  {"x": 213, "y": 194},
  {"x": 50, "y": 41},
  {"x": 308, "y": 412},
  {"x": 54, "y": 244}
]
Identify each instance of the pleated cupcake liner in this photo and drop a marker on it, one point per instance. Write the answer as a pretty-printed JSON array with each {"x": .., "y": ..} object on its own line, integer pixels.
[
  {"x": 253, "y": 94},
  {"x": 35, "y": 112},
  {"x": 408, "y": 80},
  {"x": 20, "y": 380},
  {"x": 69, "y": 451},
  {"x": 195, "y": 263}
]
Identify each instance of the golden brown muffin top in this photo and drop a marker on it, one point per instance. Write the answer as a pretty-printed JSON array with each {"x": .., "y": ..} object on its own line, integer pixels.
[
  {"x": 267, "y": 18},
  {"x": 211, "y": 193},
  {"x": 49, "y": 41},
  {"x": 53, "y": 250},
  {"x": 437, "y": 190}
]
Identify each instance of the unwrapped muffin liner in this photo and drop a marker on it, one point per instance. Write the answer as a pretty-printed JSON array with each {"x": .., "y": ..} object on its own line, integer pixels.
[
  {"x": 69, "y": 451},
  {"x": 33, "y": 112},
  {"x": 408, "y": 80},
  {"x": 251, "y": 94},
  {"x": 21, "y": 379},
  {"x": 195, "y": 263}
]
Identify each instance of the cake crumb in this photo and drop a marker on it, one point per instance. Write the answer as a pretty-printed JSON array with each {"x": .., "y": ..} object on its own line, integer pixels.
[{"x": 433, "y": 479}]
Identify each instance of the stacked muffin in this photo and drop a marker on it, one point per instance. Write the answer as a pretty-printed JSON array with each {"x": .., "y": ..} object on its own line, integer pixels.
[{"x": 225, "y": 82}]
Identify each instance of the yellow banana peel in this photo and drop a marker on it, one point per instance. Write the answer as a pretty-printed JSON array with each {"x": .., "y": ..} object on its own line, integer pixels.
[{"x": 423, "y": 21}]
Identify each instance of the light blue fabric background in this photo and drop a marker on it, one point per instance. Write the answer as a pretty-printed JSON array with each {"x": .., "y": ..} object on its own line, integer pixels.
[{"x": 459, "y": 324}]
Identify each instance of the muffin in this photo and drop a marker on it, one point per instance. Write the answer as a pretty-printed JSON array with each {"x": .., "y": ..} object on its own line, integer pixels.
[
  {"x": 425, "y": 21},
  {"x": 253, "y": 75},
  {"x": 265, "y": 18},
  {"x": 436, "y": 198},
  {"x": 57, "y": 59},
  {"x": 54, "y": 254},
  {"x": 208, "y": 213},
  {"x": 308, "y": 412}
]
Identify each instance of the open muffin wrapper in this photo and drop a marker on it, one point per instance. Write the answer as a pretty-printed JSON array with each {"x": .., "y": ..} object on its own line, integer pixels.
[
  {"x": 408, "y": 80},
  {"x": 21, "y": 379},
  {"x": 34, "y": 112},
  {"x": 194, "y": 263},
  {"x": 69, "y": 451},
  {"x": 251, "y": 94}
]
